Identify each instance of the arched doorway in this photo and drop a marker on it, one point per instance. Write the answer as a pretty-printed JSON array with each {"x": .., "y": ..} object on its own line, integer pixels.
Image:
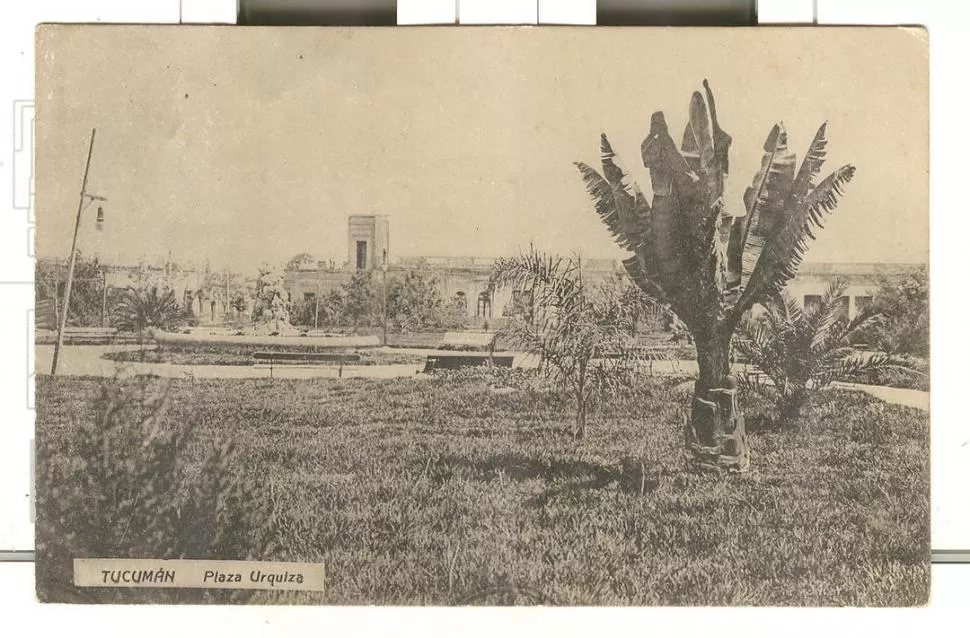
[{"x": 483, "y": 309}]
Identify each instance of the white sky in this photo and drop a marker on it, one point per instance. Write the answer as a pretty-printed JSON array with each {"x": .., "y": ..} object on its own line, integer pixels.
[{"x": 245, "y": 145}]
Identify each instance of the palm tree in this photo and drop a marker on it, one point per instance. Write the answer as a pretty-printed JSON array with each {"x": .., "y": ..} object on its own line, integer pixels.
[
  {"x": 582, "y": 335},
  {"x": 709, "y": 263},
  {"x": 805, "y": 350},
  {"x": 142, "y": 308}
]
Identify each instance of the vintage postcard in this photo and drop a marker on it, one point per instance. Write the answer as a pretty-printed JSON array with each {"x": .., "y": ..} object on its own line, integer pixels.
[{"x": 482, "y": 316}]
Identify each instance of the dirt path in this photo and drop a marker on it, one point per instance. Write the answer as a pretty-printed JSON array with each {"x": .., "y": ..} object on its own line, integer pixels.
[
  {"x": 910, "y": 398},
  {"x": 88, "y": 361}
]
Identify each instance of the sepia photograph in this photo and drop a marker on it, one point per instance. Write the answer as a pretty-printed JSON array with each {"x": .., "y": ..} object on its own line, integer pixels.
[{"x": 559, "y": 316}]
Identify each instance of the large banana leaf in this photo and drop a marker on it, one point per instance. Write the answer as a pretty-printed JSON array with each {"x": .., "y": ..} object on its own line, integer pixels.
[
  {"x": 786, "y": 247},
  {"x": 700, "y": 137},
  {"x": 671, "y": 176},
  {"x": 764, "y": 202},
  {"x": 722, "y": 141},
  {"x": 661, "y": 157}
]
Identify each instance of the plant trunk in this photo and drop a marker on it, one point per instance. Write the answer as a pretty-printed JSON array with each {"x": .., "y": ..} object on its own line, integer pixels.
[
  {"x": 790, "y": 409},
  {"x": 714, "y": 430},
  {"x": 580, "y": 431},
  {"x": 581, "y": 400}
]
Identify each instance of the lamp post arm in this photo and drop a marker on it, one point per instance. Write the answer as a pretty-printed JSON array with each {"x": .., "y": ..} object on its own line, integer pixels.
[{"x": 70, "y": 268}]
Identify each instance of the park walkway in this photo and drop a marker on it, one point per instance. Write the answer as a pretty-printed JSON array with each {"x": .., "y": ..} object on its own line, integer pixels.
[
  {"x": 900, "y": 396},
  {"x": 89, "y": 361}
]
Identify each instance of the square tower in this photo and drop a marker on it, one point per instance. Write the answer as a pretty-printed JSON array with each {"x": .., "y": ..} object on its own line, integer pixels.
[{"x": 367, "y": 241}]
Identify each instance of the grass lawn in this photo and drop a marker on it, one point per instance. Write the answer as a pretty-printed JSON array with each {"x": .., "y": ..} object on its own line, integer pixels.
[{"x": 467, "y": 489}]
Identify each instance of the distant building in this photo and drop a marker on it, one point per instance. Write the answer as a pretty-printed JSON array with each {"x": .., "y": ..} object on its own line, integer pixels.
[
  {"x": 462, "y": 279},
  {"x": 466, "y": 278},
  {"x": 368, "y": 238},
  {"x": 861, "y": 281}
]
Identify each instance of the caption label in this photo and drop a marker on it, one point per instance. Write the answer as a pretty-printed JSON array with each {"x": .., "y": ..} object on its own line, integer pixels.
[{"x": 198, "y": 574}]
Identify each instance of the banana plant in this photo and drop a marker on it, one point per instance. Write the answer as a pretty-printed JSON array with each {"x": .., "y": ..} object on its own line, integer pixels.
[{"x": 709, "y": 261}]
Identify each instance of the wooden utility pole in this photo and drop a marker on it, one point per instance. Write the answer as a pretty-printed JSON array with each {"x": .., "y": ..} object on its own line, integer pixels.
[
  {"x": 104, "y": 298},
  {"x": 384, "y": 304},
  {"x": 316, "y": 308},
  {"x": 65, "y": 306},
  {"x": 225, "y": 306}
]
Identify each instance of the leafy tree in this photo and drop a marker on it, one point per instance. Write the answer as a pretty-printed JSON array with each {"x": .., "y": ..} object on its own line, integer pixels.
[
  {"x": 141, "y": 308},
  {"x": 710, "y": 263},
  {"x": 581, "y": 336},
  {"x": 803, "y": 351},
  {"x": 86, "y": 291},
  {"x": 362, "y": 300},
  {"x": 332, "y": 309},
  {"x": 415, "y": 302},
  {"x": 240, "y": 301},
  {"x": 302, "y": 313},
  {"x": 904, "y": 304}
]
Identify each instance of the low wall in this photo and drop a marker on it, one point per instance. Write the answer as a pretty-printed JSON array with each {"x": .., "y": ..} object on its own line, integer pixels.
[{"x": 187, "y": 340}]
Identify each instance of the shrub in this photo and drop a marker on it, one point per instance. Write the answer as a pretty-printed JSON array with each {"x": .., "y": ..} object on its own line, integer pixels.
[
  {"x": 130, "y": 483},
  {"x": 150, "y": 307},
  {"x": 904, "y": 303},
  {"x": 804, "y": 350},
  {"x": 86, "y": 290}
]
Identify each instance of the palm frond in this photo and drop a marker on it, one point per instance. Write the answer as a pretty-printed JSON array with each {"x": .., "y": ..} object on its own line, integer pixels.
[
  {"x": 141, "y": 308},
  {"x": 551, "y": 279},
  {"x": 601, "y": 194},
  {"x": 826, "y": 316},
  {"x": 786, "y": 247},
  {"x": 863, "y": 321},
  {"x": 632, "y": 210},
  {"x": 811, "y": 166},
  {"x": 793, "y": 311},
  {"x": 858, "y": 362}
]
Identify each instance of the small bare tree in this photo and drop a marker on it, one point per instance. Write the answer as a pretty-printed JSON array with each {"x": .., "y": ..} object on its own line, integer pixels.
[{"x": 583, "y": 338}]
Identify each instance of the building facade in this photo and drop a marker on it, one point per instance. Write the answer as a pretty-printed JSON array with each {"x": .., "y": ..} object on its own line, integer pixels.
[
  {"x": 467, "y": 278},
  {"x": 461, "y": 279}
]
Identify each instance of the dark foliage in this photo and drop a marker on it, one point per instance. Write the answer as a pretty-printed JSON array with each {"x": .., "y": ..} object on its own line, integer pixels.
[
  {"x": 904, "y": 304},
  {"x": 126, "y": 481}
]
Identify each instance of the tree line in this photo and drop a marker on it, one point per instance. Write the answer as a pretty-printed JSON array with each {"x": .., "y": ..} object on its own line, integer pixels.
[{"x": 414, "y": 302}]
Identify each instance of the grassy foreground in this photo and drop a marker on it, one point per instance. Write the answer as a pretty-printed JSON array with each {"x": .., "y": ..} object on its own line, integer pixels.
[{"x": 466, "y": 489}]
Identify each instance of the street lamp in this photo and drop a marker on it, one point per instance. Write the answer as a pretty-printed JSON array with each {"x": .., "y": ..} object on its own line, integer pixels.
[{"x": 85, "y": 200}]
